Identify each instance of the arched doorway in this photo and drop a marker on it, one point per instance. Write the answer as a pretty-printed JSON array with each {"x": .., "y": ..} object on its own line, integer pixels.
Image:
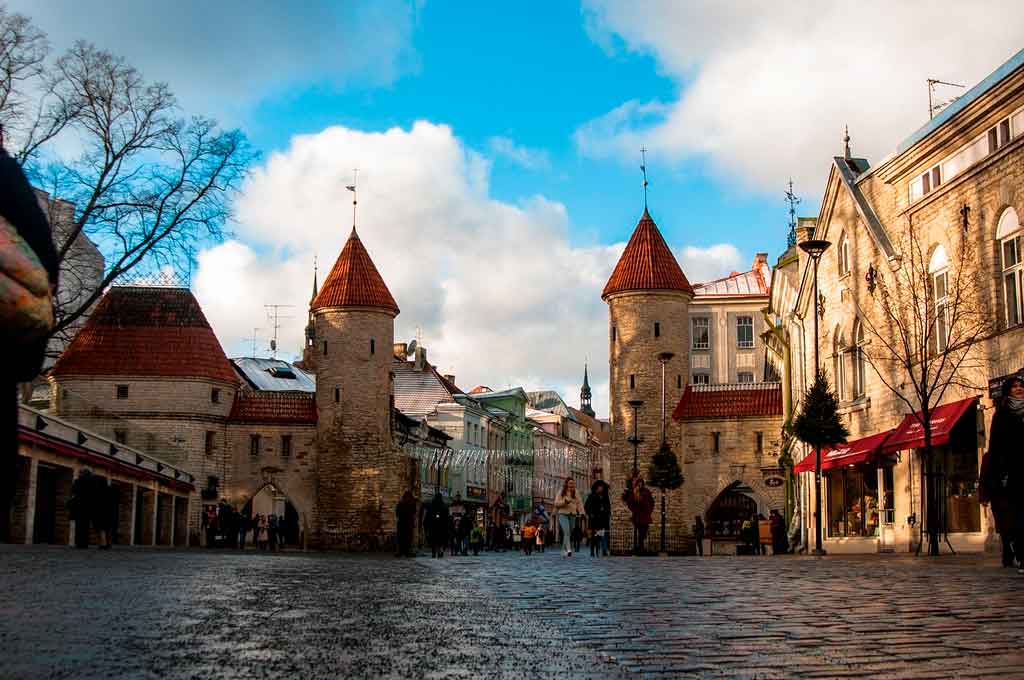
[
  {"x": 272, "y": 501},
  {"x": 726, "y": 513}
]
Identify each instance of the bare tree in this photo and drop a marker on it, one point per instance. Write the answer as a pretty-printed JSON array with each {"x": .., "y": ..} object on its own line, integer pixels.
[
  {"x": 923, "y": 321},
  {"x": 147, "y": 185}
]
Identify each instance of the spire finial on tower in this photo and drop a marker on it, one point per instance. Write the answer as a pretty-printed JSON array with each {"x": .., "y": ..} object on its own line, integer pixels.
[
  {"x": 314, "y": 280},
  {"x": 846, "y": 142},
  {"x": 792, "y": 199},
  {"x": 352, "y": 188},
  {"x": 643, "y": 169}
]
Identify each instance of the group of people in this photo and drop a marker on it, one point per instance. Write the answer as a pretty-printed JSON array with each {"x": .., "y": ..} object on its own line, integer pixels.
[{"x": 225, "y": 526}]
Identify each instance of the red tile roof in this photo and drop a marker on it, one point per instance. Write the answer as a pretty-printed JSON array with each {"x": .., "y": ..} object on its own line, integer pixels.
[
  {"x": 647, "y": 263},
  {"x": 747, "y": 400},
  {"x": 146, "y": 332},
  {"x": 274, "y": 407},
  {"x": 354, "y": 281}
]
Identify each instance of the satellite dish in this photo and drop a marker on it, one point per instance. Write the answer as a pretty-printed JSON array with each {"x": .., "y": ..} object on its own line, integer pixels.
[{"x": 411, "y": 349}]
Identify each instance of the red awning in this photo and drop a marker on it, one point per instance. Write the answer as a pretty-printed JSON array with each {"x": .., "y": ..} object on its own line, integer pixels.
[
  {"x": 910, "y": 433},
  {"x": 858, "y": 451}
]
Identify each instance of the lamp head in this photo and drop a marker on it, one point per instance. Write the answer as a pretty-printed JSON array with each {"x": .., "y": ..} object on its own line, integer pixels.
[
  {"x": 814, "y": 247},
  {"x": 664, "y": 357},
  {"x": 635, "y": 403}
]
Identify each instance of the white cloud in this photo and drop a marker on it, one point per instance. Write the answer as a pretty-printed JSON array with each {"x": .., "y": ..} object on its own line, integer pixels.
[
  {"x": 713, "y": 262},
  {"x": 531, "y": 159},
  {"x": 765, "y": 88}
]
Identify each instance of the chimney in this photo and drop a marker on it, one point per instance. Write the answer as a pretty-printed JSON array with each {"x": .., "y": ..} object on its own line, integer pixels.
[
  {"x": 805, "y": 227},
  {"x": 450, "y": 378},
  {"x": 420, "y": 362},
  {"x": 400, "y": 350},
  {"x": 760, "y": 260}
]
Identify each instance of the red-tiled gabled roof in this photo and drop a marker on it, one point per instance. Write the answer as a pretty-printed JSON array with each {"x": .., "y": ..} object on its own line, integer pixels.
[
  {"x": 746, "y": 400},
  {"x": 146, "y": 332},
  {"x": 646, "y": 263},
  {"x": 354, "y": 281},
  {"x": 274, "y": 407}
]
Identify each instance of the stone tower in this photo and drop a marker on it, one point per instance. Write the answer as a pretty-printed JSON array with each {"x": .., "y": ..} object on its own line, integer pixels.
[
  {"x": 359, "y": 471},
  {"x": 648, "y": 299}
]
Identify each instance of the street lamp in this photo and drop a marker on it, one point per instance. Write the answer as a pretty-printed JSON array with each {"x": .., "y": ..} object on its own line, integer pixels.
[
  {"x": 664, "y": 358},
  {"x": 635, "y": 441},
  {"x": 815, "y": 248}
]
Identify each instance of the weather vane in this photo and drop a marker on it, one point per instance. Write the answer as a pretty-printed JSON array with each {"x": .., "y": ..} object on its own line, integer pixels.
[
  {"x": 643, "y": 169},
  {"x": 792, "y": 199},
  {"x": 352, "y": 188}
]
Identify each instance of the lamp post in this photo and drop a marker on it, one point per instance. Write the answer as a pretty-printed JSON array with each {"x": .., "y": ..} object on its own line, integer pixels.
[
  {"x": 635, "y": 441},
  {"x": 815, "y": 248},
  {"x": 664, "y": 358}
]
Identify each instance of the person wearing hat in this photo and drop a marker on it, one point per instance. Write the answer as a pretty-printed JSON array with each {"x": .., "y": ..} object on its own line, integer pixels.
[
  {"x": 599, "y": 513},
  {"x": 1002, "y": 471}
]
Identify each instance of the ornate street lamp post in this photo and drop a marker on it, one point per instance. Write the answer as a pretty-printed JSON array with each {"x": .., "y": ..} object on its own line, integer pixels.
[
  {"x": 635, "y": 441},
  {"x": 815, "y": 248}
]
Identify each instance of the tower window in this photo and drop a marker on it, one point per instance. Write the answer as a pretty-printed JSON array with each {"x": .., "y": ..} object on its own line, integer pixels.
[
  {"x": 657, "y": 329},
  {"x": 215, "y": 395},
  {"x": 679, "y": 382},
  {"x": 122, "y": 392},
  {"x": 760, "y": 441},
  {"x": 372, "y": 346},
  {"x": 325, "y": 348},
  {"x": 632, "y": 381},
  {"x": 717, "y": 438},
  {"x": 613, "y": 333},
  {"x": 286, "y": 445},
  {"x": 208, "y": 442},
  {"x": 254, "y": 445},
  {"x": 337, "y": 395}
]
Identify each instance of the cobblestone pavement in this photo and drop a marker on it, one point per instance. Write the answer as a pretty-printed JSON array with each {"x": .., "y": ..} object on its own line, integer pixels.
[{"x": 197, "y": 614}]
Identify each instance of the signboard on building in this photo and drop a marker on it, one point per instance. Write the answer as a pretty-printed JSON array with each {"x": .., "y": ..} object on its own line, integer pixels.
[{"x": 476, "y": 493}]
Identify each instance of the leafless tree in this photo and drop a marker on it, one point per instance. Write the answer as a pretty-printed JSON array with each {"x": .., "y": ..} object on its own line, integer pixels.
[
  {"x": 147, "y": 185},
  {"x": 923, "y": 326}
]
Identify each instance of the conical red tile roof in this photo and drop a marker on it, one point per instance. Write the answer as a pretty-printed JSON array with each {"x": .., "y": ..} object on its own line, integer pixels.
[
  {"x": 146, "y": 332},
  {"x": 354, "y": 281},
  {"x": 646, "y": 263}
]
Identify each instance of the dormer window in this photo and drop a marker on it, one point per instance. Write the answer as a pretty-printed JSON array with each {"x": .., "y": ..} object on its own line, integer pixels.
[{"x": 283, "y": 372}]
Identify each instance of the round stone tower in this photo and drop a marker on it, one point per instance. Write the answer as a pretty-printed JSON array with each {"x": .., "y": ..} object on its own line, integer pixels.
[
  {"x": 358, "y": 470},
  {"x": 648, "y": 299}
]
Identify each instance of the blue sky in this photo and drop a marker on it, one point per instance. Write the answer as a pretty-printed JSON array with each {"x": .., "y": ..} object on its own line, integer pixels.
[{"x": 499, "y": 144}]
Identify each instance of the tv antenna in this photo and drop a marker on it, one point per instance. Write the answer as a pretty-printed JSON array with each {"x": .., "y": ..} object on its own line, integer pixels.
[
  {"x": 936, "y": 106},
  {"x": 253, "y": 340},
  {"x": 274, "y": 315},
  {"x": 793, "y": 201}
]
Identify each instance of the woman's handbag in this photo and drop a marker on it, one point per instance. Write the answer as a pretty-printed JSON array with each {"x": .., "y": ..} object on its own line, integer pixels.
[{"x": 26, "y": 304}]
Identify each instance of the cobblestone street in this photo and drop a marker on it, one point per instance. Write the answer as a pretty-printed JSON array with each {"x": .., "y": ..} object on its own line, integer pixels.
[{"x": 195, "y": 614}]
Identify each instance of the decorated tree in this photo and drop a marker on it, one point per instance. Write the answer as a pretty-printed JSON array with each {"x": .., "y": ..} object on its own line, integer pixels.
[{"x": 665, "y": 474}]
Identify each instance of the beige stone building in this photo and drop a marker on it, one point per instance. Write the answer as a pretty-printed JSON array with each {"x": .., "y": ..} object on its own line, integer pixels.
[{"x": 955, "y": 186}]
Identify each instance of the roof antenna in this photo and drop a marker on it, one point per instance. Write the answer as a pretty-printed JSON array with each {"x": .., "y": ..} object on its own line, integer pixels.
[
  {"x": 936, "y": 106},
  {"x": 846, "y": 142},
  {"x": 352, "y": 188},
  {"x": 792, "y": 199},
  {"x": 643, "y": 169}
]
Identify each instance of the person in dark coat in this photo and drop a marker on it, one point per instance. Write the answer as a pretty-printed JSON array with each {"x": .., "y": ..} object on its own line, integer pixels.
[
  {"x": 599, "y": 513},
  {"x": 437, "y": 523},
  {"x": 83, "y": 507},
  {"x": 641, "y": 505},
  {"x": 698, "y": 534},
  {"x": 778, "y": 527},
  {"x": 1002, "y": 471},
  {"x": 19, "y": 206},
  {"x": 405, "y": 512}
]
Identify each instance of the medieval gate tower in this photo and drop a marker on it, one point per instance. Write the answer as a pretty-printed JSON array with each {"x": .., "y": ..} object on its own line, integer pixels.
[{"x": 648, "y": 299}]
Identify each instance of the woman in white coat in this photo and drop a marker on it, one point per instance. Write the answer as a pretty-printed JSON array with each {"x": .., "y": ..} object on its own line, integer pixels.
[{"x": 568, "y": 508}]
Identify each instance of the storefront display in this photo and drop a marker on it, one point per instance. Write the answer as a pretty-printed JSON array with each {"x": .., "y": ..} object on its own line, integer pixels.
[{"x": 852, "y": 497}]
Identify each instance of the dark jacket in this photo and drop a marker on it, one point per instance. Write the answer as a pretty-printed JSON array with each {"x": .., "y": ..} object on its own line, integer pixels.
[
  {"x": 641, "y": 506},
  {"x": 1002, "y": 469},
  {"x": 405, "y": 512},
  {"x": 437, "y": 521},
  {"x": 599, "y": 511}
]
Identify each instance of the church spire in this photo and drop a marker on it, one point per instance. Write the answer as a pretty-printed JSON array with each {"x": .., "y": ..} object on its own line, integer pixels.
[{"x": 585, "y": 394}]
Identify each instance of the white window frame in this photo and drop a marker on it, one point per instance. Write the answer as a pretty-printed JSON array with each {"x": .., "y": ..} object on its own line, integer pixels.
[
  {"x": 938, "y": 275},
  {"x": 844, "y": 255},
  {"x": 741, "y": 344},
  {"x": 701, "y": 379},
  {"x": 840, "y": 350},
  {"x": 1011, "y": 239},
  {"x": 740, "y": 380},
  {"x": 694, "y": 323},
  {"x": 859, "y": 370}
]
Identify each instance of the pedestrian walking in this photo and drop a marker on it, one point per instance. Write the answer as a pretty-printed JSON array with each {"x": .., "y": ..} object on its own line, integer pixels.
[
  {"x": 529, "y": 537},
  {"x": 465, "y": 526},
  {"x": 82, "y": 506},
  {"x": 568, "y": 508},
  {"x": 1002, "y": 471},
  {"x": 698, "y": 534},
  {"x": 457, "y": 509},
  {"x": 476, "y": 540},
  {"x": 28, "y": 278},
  {"x": 437, "y": 524},
  {"x": 272, "y": 532},
  {"x": 405, "y": 514},
  {"x": 778, "y": 529},
  {"x": 599, "y": 512},
  {"x": 641, "y": 506},
  {"x": 500, "y": 515}
]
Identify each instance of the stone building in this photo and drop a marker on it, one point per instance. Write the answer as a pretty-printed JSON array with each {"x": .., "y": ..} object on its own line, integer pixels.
[{"x": 956, "y": 182}]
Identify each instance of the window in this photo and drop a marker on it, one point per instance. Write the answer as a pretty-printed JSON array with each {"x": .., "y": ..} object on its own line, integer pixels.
[
  {"x": 632, "y": 381},
  {"x": 121, "y": 436},
  {"x": 373, "y": 347},
  {"x": 759, "y": 441},
  {"x": 613, "y": 333},
  {"x": 852, "y": 501},
  {"x": 859, "y": 373},
  {"x": 337, "y": 395},
  {"x": 839, "y": 352},
  {"x": 254, "y": 445},
  {"x": 122, "y": 391},
  {"x": 843, "y": 253},
  {"x": 679, "y": 382},
  {"x": 745, "y": 332},
  {"x": 1011, "y": 245},
  {"x": 325, "y": 348},
  {"x": 938, "y": 276},
  {"x": 286, "y": 446},
  {"x": 700, "y": 332},
  {"x": 701, "y": 379},
  {"x": 208, "y": 442},
  {"x": 215, "y": 395},
  {"x": 716, "y": 438},
  {"x": 657, "y": 329},
  {"x": 745, "y": 377}
]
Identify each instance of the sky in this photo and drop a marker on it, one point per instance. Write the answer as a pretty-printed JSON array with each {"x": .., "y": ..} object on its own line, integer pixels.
[{"x": 498, "y": 145}]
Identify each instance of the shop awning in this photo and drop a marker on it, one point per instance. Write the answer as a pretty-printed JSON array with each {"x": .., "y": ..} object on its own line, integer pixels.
[
  {"x": 860, "y": 450},
  {"x": 910, "y": 433}
]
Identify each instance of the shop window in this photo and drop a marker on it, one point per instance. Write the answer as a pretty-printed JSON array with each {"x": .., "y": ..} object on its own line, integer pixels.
[
  {"x": 957, "y": 480},
  {"x": 744, "y": 332},
  {"x": 1011, "y": 245},
  {"x": 852, "y": 500},
  {"x": 700, "y": 332}
]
